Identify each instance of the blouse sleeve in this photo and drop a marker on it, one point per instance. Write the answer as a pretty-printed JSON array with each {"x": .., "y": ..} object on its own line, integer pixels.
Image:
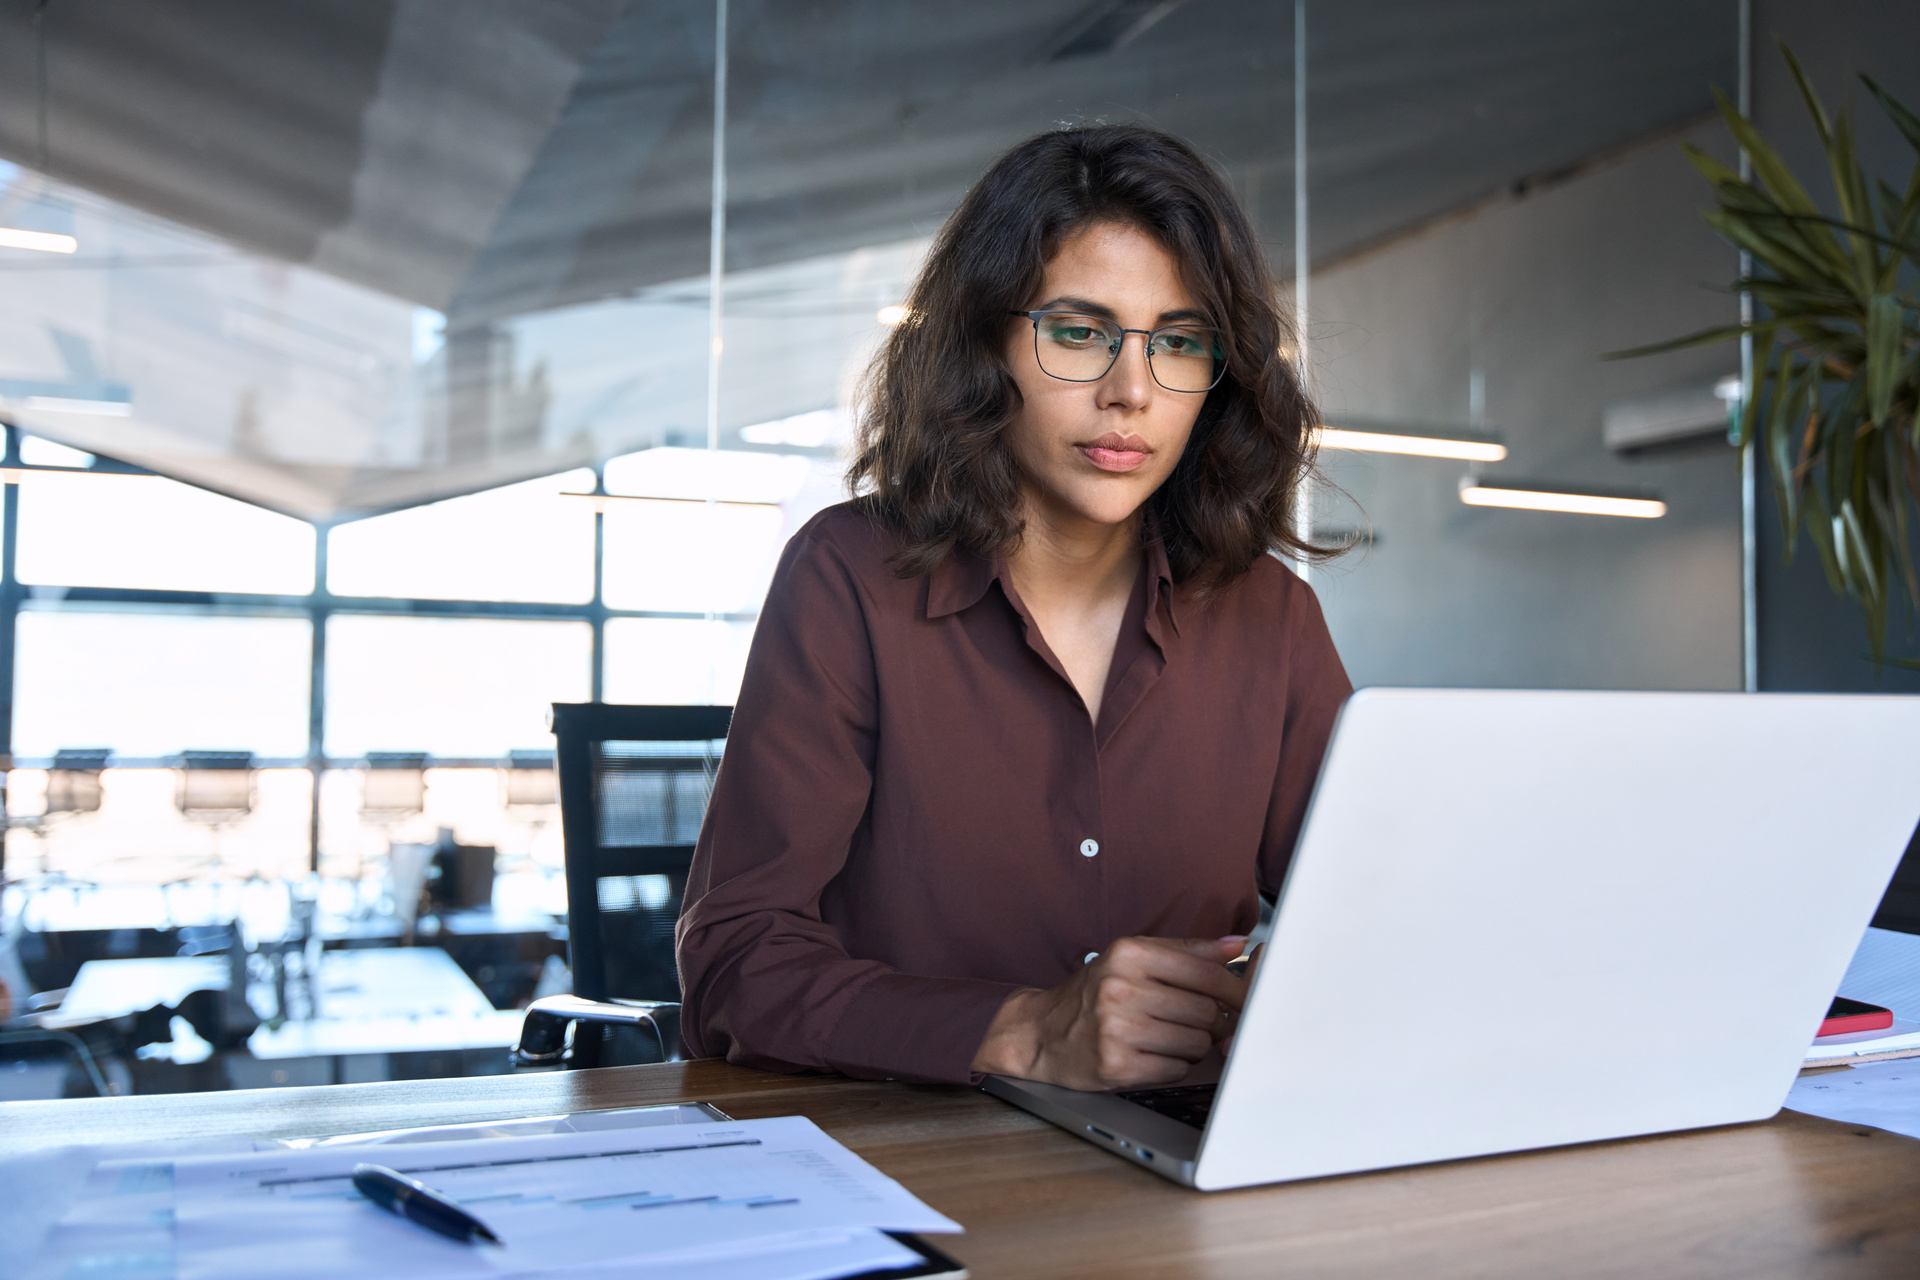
[
  {"x": 1316, "y": 687},
  {"x": 765, "y": 981}
]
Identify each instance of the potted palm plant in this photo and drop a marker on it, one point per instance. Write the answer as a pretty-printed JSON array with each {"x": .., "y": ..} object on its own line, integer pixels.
[{"x": 1831, "y": 394}]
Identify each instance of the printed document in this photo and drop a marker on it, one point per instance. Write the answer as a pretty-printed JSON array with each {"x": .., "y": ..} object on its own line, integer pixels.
[
  {"x": 1885, "y": 1095},
  {"x": 638, "y": 1198}
]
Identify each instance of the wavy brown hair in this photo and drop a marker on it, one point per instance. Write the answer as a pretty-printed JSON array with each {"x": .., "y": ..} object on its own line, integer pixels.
[{"x": 933, "y": 464}]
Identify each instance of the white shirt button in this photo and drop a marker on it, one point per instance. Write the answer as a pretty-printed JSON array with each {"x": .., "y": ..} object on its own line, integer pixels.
[
  {"x": 1089, "y": 847},
  {"x": 1090, "y": 957}
]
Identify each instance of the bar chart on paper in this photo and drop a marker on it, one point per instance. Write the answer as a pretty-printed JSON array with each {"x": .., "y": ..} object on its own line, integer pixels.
[{"x": 689, "y": 1193}]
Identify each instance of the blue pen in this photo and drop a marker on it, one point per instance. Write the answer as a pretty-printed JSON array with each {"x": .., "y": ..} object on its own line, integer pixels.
[{"x": 417, "y": 1202}]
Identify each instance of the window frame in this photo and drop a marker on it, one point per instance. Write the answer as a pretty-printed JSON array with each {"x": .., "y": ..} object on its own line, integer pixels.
[{"x": 317, "y": 606}]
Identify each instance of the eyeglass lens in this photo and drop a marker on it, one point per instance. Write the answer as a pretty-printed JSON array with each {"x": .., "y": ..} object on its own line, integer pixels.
[{"x": 1078, "y": 348}]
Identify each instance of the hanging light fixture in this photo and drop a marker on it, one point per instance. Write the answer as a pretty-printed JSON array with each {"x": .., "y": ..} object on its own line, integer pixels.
[
  {"x": 41, "y": 241},
  {"x": 1375, "y": 438},
  {"x": 73, "y": 784},
  {"x": 531, "y": 780},
  {"x": 1520, "y": 495},
  {"x": 216, "y": 787},
  {"x": 394, "y": 786}
]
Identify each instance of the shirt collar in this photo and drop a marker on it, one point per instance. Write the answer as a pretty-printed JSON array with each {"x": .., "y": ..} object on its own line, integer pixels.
[
  {"x": 1159, "y": 582},
  {"x": 959, "y": 581}
]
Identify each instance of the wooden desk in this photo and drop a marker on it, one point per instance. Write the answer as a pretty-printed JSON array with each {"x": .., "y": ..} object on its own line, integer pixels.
[{"x": 1795, "y": 1196}]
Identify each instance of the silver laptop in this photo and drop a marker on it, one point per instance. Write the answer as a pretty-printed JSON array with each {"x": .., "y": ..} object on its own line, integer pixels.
[{"x": 1520, "y": 919}]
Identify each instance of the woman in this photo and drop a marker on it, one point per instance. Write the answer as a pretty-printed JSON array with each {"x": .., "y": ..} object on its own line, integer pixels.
[{"x": 1026, "y": 728}]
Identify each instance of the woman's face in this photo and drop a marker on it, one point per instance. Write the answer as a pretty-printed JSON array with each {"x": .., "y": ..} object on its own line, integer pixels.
[{"x": 1093, "y": 451}]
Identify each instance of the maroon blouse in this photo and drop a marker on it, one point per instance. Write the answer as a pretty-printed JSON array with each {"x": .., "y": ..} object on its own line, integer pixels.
[{"x": 915, "y": 818}]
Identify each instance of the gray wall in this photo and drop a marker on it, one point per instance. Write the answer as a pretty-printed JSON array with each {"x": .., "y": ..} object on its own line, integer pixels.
[
  {"x": 1530, "y": 290},
  {"x": 1810, "y": 639}
]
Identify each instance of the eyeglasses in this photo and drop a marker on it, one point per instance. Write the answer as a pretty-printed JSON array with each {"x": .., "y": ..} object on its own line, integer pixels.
[{"x": 1081, "y": 348}]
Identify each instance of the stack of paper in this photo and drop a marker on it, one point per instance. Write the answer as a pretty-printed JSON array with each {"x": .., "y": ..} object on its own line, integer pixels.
[
  {"x": 738, "y": 1200},
  {"x": 1885, "y": 1095},
  {"x": 1885, "y": 971},
  {"x": 1884, "y": 1088}
]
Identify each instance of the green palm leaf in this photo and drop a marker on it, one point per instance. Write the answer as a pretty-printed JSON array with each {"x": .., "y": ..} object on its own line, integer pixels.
[
  {"x": 1832, "y": 396},
  {"x": 1884, "y": 314}
]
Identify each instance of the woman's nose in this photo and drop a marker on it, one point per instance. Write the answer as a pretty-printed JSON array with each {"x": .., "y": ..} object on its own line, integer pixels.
[{"x": 1129, "y": 379}]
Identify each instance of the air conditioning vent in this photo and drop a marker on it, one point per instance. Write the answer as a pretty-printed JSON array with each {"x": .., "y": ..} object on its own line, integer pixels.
[{"x": 1666, "y": 417}]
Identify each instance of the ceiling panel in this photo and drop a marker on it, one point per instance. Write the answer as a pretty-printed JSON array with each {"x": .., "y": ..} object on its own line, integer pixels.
[{"x": 499, "y": 161}]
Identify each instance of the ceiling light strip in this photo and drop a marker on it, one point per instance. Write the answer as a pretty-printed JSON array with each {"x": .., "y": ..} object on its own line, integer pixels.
[
  {"x": 65, "y": 404},
  {"x": 1416, "y": 446},
  {"x": 44, "y": 241},
  {"x": 1584, "y": 504}
]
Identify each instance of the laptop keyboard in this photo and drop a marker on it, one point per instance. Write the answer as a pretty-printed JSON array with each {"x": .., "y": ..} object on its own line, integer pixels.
[{"x": 1189, "y": 1104}]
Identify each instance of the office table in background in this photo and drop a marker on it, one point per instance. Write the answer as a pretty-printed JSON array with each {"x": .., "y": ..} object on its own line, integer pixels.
[
  {"x": 1794, "y": 1196},
  {"x": 105, "y": 989},
  {"x": 391, "y": 1000},
  {"x": 372, "y": 1001}
]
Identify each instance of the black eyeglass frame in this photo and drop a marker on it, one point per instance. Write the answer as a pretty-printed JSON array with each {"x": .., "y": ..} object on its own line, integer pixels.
[{"x": 1219, "y": 373}]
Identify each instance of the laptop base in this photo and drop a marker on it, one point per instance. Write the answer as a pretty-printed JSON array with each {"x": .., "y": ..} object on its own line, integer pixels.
[{"x": 1109, "y": 1121}]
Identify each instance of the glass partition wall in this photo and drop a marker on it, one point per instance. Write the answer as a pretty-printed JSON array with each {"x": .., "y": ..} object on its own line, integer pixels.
[
  {"x": 326, "y": 524},
  {"x": 298, "y": 547},
  {"x": 322, "y": 480}
]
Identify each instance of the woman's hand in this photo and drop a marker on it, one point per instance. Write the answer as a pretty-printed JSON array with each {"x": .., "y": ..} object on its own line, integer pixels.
[{"x": 1141, "y": 1014}]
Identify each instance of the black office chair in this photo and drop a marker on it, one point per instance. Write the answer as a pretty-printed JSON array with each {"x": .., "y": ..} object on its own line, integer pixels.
[
  {"x": 634, "y": 784},
  {"x": 22, "y": 1043}
]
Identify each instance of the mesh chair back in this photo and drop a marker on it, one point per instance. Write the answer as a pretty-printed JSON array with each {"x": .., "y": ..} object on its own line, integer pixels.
[{"x": 634, "y": 784}]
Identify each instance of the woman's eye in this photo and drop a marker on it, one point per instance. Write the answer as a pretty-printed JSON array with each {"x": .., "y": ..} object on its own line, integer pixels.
[
  {"x": 1184, "y": 344},
  {"x": 1075, "y": 334}
]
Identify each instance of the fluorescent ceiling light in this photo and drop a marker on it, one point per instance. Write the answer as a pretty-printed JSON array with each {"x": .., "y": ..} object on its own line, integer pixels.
[
  {"x": 44, "y": 241},
  {"x": 1416, "y": 445},
  {"x": 60, "y": 404},
  {"x": 1483, "y": 493},
  {"x": 891, "y": 315}
]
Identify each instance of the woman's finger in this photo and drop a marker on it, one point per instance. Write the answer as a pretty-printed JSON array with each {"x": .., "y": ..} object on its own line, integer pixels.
[
  {"x": 1190, "y": 964},
  {"x": 1180, "y": 1007},
  {"x": 1154, "y": 1036}
]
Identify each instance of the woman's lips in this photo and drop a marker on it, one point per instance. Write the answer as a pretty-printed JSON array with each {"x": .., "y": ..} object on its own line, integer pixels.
[
  {"x": 1112, "y": 459},
  {"x": 1115, "y": 452}
]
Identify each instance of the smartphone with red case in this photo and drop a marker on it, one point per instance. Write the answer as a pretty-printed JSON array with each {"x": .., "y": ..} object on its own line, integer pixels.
[{"x": 1846, "y": 1016}]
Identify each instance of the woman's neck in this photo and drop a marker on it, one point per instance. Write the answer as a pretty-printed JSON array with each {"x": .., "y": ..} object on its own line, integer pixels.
[
  {"x": 1075, "y": 577},
  {"x": 1074, "y": 563}
]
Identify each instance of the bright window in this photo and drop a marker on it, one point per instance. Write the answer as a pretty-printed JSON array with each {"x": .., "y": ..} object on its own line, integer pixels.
[
  {"x": 725, "y": 475},
  {"x": 521, "y": 542},
  {"x": 143, "y": 531},
  {"x": 47, "y": 453},
  {"x": 675, "y": 660},
  {"x": 689, "y": 557},
  {"x": 450, "y": 686},
  {"x": 153, "y": 684}
]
